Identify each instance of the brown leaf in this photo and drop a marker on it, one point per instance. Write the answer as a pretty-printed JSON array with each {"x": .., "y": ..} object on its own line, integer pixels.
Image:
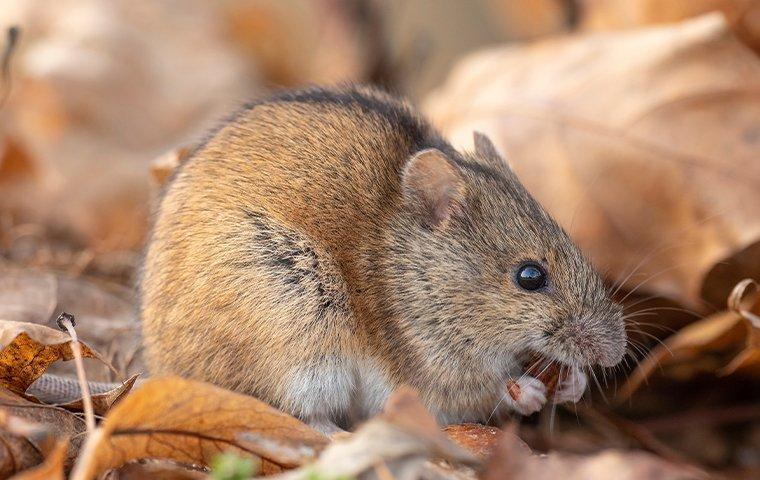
[
  {"x": 163, "y": 469},
  {"x": 16, "y": 451},
  {"x": 513, "y": 460},
  {"x": 28, "y": 349},
  {"x": 617, "y": 14},
  {"x": 15, "y": 162},
  {"x": 103, "y": 402},
  {"x": 533, "y": 19},
  {"x": 55, "y": 421},
  {"x": 16, "y": 454},
  {"x": 712, "y": 332},
  {"x": 480, "y": 440},
  {"x": 398, "y": 444},
  {"x": 643, "y": 144},
  {"x": 163, "y": 167},
  {"x": 105, "y": 316},
  {"x": 695, "y": 337},
  {"x": 190, "y": 422},
  {"x": 745, "y": 300},
  {"x": 51, "y": 469}
]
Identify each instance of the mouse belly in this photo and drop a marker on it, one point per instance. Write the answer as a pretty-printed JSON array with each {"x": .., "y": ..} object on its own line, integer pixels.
[{"x": 338, "y": 393}]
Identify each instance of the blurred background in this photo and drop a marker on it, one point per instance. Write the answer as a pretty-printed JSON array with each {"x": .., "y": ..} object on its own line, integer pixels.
[{"x": 635, "y": 122}]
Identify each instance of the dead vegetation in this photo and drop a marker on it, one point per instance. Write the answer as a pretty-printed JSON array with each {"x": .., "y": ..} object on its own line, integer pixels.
[{"x": 640, "y": 133}]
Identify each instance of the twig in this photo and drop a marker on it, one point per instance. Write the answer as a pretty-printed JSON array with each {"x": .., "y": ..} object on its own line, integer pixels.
[
  {"x": 5, "y": 62},
  {"x": 66, "y": 322}
]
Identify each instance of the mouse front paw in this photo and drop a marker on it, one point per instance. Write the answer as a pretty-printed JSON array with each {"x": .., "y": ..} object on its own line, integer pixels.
[
  {"x": 526, "y": 395},
  {"x": 571, "y": 387}
]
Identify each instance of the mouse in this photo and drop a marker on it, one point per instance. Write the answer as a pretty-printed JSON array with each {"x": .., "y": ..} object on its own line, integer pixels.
[{"x": 325, "y": 246}]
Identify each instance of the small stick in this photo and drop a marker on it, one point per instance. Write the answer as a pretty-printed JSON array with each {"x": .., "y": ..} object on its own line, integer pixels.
[
  {"x": 5, "y": 62},
  {"x": 66, "y": 322}
]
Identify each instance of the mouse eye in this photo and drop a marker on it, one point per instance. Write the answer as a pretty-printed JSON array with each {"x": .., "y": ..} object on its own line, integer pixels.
[{"x": 531, "y": 276}]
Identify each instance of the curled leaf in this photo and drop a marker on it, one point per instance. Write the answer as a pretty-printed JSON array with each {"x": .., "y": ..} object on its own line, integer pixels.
[
  {"x": 745, "y": 300},
  {"x": 398, "y": 444},
  {"x": 50, "y": 469},
  {"x": 48, "y": 423},
  {"x": 27, "y": 351},
  {"x": 104, "y": 401},
  {"x": 190, "y": 422}
]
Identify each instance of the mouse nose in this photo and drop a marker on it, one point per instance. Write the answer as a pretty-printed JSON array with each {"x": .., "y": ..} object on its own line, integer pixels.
[
  {"x": 609, "y": 357},
  {"x": 612, "y": 349}
]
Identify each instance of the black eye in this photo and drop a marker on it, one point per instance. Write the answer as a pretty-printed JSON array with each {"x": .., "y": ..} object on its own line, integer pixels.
[{"x": 531, "y": 276}]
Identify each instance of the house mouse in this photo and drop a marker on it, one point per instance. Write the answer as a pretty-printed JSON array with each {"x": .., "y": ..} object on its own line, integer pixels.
[{"x": 327, "y": 245}]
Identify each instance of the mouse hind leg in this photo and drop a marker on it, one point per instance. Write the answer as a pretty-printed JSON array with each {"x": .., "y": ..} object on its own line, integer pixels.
[{"x": 305, "y": 321}]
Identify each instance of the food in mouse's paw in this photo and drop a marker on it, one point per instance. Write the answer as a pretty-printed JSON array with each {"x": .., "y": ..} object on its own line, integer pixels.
[
  {"x": 526, "y": 395},
  {"x": 546, "y": 371}
]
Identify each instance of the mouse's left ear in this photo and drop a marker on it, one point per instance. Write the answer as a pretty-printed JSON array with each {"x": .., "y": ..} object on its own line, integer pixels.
[
  {"x": 433, "y": 187},
  {"x": 486, "y": 150}
]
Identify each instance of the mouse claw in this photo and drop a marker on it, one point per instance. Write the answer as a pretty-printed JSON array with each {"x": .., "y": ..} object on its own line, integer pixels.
[
  {"x": 526, "y": 395},
  {"x": 571, "y": 387}
]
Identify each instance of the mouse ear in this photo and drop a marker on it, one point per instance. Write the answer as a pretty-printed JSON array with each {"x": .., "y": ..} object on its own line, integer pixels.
[
  {"x": 433, "y": 187},
  {"x": 486, "y": 150}
]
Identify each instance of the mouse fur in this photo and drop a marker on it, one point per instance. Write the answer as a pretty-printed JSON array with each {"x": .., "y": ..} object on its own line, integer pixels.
[{"x": 327, "y": 245}]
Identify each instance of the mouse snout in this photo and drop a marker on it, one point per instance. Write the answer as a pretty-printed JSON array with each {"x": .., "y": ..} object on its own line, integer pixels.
[
  {"x": 593, "y": 341},
  {"x": 611, "y": 341}
]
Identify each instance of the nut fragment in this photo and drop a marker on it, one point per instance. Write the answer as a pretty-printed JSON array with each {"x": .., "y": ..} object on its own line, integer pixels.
[{"x": 545, "y": 370}]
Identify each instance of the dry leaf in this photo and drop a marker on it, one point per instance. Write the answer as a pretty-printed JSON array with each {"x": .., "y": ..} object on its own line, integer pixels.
[
  {"x": 162, "y": 168},
  {"x": 28, "y": 349},
  {"x": 163, "y": 469},
  {"x": 743, "y": 15},
  {"x": 694, "y": 338},
  {"x": 513, "y": 460},
  {"x": 51, "y": 469},
  {"x": 398, "y": 444},
  {"x": 480, "y": 440},
  {"x": 745, "y": 300},
  {"x": 100, "y": 88},
  {"x": 530, "y": 19},
  {"x": 57, "y": 422},
  {"x": 190, "y": 422},
  {"x": 643, "y": 144},
  {"x": 16, "y": 452},
  {"x": 710, "y": 332},
  {"x": 15, "y": 163},
  {"x": 101, "y": 402},
  {"x": 106, "y": 318}
]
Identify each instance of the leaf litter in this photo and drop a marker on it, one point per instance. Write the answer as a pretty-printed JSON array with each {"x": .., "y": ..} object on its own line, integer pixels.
[{"x": 666, "y": 180}]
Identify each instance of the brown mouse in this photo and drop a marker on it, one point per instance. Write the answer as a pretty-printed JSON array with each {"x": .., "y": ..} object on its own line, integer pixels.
[{"x": 328, "y": 245}]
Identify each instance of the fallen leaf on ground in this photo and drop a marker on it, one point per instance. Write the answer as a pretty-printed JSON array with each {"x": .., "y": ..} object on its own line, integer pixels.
[
  {"x": 163, "y": 167},
  {"x": 692, "y": 339},
  {"x": 27, "y": 349},
  {"x": 512, "y": 459},
  {"x": 643, "y": 144},
  {"x": 54, "y": 422},
  {"x": 742, "y": 15},
  {"x": 106, "y": 319},
  {"x": 103, "y": 402},
  {"x": 715, "y": 332},
  {"x": 398, "y": 444},
  {"x": 16, "y": 454},
  {"x": 190, "y": 422},
  {"x": 480, "y": 440},
  {"x": 745, "y": 300},
  {"x": 51, "y": 468},
  {"x": 163, "y": 469},
  {"x": 15, "y": 163},
  {"x": 16, "y": 451}
]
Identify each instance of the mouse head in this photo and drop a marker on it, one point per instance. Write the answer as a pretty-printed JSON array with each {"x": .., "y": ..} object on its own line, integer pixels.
[{"x": 479, "y": 269}]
